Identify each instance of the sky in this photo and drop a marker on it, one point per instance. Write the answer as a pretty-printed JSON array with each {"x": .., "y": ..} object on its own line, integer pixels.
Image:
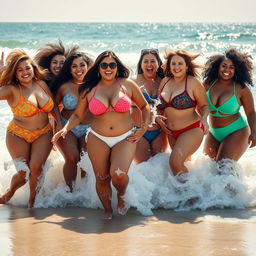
[{"x": 128, "y": 10}]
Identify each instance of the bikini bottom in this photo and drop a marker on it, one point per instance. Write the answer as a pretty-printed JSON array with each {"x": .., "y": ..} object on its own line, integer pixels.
[
  {"x": 79, "y": 131},
  {"x": 28, "y": 135},
  {"x": 110, "y": 141},
  {"x": 221, "y": 134},
  {"x": 151, "y": 135}
]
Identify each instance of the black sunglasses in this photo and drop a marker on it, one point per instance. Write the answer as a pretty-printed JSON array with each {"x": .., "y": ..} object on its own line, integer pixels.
[
  {"x": 149, "y": 50},
  {"x": 105, "y": 65}
]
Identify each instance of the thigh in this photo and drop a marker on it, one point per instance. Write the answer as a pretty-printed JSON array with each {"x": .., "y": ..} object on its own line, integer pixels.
[
  {"x": 82, "y": 144},
  {"x": 187, "y": 143},
  {"x": 143, "y": 151},
  {"x": 41, "y": 148},
  {"x": 69, "y": 145},
  {"x": 17, "y": 147},
  {"x": 234, "y": 145},
  {"x": 160, "y": 144},
  {"x": 211, "y": 146},
  {"x": 122, "y": 155},
  {"x": 99, "y": 154}
]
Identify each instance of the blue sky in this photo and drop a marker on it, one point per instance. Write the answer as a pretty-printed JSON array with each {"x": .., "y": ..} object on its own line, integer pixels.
[{"x": 129, "y": 10}]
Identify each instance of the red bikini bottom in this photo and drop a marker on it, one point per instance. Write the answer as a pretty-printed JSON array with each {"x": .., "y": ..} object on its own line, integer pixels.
[{"x": 175, "y": 134}]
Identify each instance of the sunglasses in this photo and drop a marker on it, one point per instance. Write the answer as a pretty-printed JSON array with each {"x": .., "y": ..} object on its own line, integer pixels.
[
  {"x": 150, "y": 50},
  {"x": 105, "y": 65}
]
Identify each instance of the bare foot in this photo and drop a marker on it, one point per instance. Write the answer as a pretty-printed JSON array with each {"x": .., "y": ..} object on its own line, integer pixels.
[
  {"x": 108, "y": 216},
  {"x": 122, "y": 211},
  {"x": 5, "y": 197}
]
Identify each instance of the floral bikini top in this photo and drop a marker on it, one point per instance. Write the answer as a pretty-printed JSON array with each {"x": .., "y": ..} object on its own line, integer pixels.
[
  {"x": 24, "y": 108},
  {"x": 122, "y": 105},
  {"x": 180, "y": 101}
]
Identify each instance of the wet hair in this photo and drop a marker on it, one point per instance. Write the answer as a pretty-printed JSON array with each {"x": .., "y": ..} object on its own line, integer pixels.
[
  {"x": 8, "y": 73},
  {"x": 188, "y": 58},
  {"x": 242, "y": 62},
  {"x": 93, "y": 76},
  {"x": 65, "y": 74},
  {"x": 160, "y": 71}
]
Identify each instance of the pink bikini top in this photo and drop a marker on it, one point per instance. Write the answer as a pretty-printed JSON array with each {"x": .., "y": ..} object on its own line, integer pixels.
[{"x": 98, "y": 108}]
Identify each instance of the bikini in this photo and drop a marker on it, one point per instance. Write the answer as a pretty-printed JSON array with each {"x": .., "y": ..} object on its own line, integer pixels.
[
  {"x": 228, "y": 108},
  {"x": 97, "y": 108},
  {"x": 70, "y": 102},
  {"x": 24, "y": 108},
  {"x": 181, "y": 101}
]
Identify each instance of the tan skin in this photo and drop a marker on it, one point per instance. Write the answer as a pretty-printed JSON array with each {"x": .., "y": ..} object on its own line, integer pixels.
[
  {"x": 107, "y": 160},
  {"x": 148, "y": 83},
  {"x": 71, "y": 147},
  {"x": 234, "y": 146},
  {"x": 189, "y": 141},
  {"x": 56, "y": 64},
  {"x": 35, "y": 153}
]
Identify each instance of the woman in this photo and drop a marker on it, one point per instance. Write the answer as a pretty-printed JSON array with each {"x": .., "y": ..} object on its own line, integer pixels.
[
  {"x": 185, "y": 108},
  {"x": 29, "y": 134},
  {"x": 226, "y": 78},
  {"x": 149, "y": 76},
  {"x": 111, "y": 141},
  {"x": 65, "y": 88},
  {"x": 51, "y": 58}
]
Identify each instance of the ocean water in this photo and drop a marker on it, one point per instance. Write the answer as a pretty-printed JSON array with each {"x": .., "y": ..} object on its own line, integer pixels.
[{"x": 151, "y": 184}]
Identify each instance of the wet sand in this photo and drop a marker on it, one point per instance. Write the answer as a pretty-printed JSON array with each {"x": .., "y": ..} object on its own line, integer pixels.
[{"x": 81, "y": 231}]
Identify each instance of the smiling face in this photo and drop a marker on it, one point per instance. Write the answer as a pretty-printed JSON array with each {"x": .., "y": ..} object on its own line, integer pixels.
[
  {"x": 78, "y": 69},
  {"x": 108, "y": 72},
  {"x": 178, "y": 66},
  {"x": 226, "y": 69},
  {"x": 25, "y": 72},
  {"x": 149, "y": 65},
  {"x": 57, "y": 64}
]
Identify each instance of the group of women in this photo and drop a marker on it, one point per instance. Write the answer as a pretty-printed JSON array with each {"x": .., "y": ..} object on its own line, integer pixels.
[{"x": 94, "y": 106}]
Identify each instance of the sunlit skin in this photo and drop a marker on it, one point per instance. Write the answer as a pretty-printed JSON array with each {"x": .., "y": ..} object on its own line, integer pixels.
[
  {"x": 57, "y": 64},
  {"x": 78, "y": 69},
  {"x": 110, "y": 164},
  {"x": 234, "y": 146}
]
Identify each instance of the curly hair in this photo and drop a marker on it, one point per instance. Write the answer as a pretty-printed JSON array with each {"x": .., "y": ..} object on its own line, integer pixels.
[
  {"x": 242, "y": 62},
  {"x": 93, "y": 76},
  {"x": 159, "y": 72},
  {"x": 65, "y": 74},
  {"x": 188, "y": 58},
  {"x": 8, "y": 73}
]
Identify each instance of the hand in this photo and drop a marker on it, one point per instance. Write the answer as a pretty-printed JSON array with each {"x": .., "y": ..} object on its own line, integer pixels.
[
  {"x": 136, "y": 135},
  {"x": 161, "y": 120},
  {"x": 204, "y": 123},
  {"x": 252, "y": 140},
  {"x": 61, "y": 133}
]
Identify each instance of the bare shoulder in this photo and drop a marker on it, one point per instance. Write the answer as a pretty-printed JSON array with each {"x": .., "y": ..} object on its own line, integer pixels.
[
  {"x": 243, "y": 91},
  {"x": 194, "y": 82}
]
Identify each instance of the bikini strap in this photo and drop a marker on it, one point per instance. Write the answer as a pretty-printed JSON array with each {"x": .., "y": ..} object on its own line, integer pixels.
[
  {"x": 186, "y": 83},
  {"x": 234, "y": 87},
  {"x": 165, "y": 84},
  {"x": 214, "y": 82},
  {"x": 42, "y": 87}
]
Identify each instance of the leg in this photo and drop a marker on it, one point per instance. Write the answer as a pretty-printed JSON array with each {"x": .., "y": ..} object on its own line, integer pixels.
[
  {"x": 211, "y": 146},
  {"x": 160, "y": 144},
  {"x": 185, "y": 145},
  {"x": 69, "y": 149},
  {"x": 40, "y": 150},
  {"x": 234, "y": 146},
  {"x": 121, "y": 158},
  {"x": 18, "y": 148},
  {"x": 99, "y": 154},
  {"x": 83, "y": 148},
  {"x": 143, "y": 151}
]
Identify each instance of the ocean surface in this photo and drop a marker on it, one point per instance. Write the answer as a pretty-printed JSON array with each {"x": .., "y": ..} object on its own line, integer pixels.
[{"x": 151, "y": 184}]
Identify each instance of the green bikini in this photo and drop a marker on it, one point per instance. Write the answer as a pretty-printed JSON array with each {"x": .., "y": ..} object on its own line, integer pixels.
[{"x": 228, "y": 108}]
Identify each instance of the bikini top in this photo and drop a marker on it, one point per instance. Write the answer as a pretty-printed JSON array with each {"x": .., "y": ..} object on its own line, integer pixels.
[
  {"x": 180, "y": 101},
  {"x": 24, "y": 108},
  {"x": 228, "y": 108},
  {"x": 69, "y": 101},
  {"x": 150, "y": 99},
  {"x": 98, "y": 108}
]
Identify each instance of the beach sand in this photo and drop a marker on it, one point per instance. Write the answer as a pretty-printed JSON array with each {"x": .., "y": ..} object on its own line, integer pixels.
[{"x": 82, "y": 231}]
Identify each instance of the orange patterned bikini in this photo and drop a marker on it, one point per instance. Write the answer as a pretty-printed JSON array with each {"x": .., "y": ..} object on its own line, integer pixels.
[{"x": 24, "y": 108}]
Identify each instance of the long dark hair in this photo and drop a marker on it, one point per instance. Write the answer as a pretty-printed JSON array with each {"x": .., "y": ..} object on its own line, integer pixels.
[
  {"x": 93, "y": 76},
  {"x": 188, "y": 58},
  {"x": 243, "y": 67},
  {"x": 160, "y": 71},
  {"x": 65, "y": 74}
]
